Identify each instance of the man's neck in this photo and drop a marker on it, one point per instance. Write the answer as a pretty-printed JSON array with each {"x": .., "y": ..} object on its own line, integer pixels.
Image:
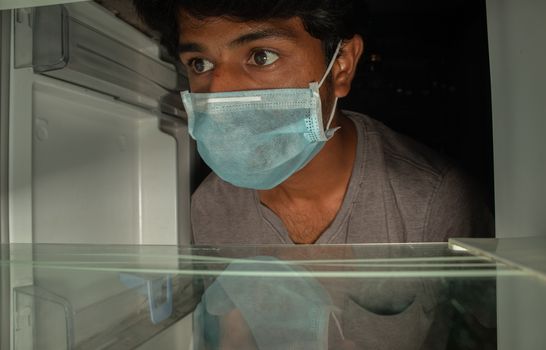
[{"x": 321, "y": 185}]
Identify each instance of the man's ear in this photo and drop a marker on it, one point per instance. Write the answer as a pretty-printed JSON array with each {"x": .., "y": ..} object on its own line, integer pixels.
[{"x": 344, "y": 68}]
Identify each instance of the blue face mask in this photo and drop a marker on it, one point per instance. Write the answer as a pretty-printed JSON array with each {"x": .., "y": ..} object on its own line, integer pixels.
[{"x": 258, "y": 138}]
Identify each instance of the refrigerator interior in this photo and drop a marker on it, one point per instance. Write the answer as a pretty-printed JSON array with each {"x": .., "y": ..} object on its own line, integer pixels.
[
  {"x": 98, "y": 154},
  {"x": 89, "y": 163}
]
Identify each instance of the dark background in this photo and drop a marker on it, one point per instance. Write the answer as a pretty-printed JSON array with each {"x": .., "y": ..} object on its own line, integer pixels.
[{"x": 425, "y": 73}]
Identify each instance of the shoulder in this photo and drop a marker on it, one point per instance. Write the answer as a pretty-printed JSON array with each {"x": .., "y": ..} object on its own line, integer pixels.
[
  {"x": 457, "y": 209},
  {"x": 428, "y": 188},
  {"x": 407, "y": 163}
]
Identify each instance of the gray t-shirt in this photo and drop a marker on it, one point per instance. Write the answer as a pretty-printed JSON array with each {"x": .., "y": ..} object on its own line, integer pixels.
[{"x": 399, "y": 191}]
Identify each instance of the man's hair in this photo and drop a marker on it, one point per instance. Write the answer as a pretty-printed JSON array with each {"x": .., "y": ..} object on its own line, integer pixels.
[{"x": 327, "y": 20}]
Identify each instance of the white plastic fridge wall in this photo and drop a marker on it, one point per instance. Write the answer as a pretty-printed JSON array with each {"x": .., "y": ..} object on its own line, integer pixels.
[
  {"x": 103, "y": 172},
  {"x": 518, "y": 81},
  {"x": 87, "y": 168}
]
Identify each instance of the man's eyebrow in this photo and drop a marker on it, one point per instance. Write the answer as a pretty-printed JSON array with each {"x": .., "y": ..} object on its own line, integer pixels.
[
  {"x": 190, "y": 47},
  {"x": 243, "y": 39},
  {"x": 264, "y": 34}
]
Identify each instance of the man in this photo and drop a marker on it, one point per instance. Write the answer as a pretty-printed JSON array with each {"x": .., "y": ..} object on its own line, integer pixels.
[
  {"x": 359, "y": 183},
  {"x": 291, "y": 168}
]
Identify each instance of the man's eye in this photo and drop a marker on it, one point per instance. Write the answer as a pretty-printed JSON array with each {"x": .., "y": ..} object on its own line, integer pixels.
[
  {"x": 263, "y": 58},
  {"x": 201, "y": 65}
]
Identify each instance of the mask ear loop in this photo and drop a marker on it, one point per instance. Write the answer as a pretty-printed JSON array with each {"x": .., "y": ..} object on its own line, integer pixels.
[
  {"x": 331, "y": 63},
  {"x": 338, "y": 48},
  {"x": 332, "y": 115}
]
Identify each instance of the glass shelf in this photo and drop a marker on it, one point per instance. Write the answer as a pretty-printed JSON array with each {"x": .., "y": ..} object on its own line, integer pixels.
[
  {"x": 380, "y": 296},
  {"x": 384, "y": 260}
]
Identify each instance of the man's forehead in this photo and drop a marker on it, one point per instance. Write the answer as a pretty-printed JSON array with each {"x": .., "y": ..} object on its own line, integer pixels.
[{"x": 236, "y": 31}]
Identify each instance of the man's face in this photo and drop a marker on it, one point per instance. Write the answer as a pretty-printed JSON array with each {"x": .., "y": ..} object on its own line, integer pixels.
[{"x": 226, "y": 55}]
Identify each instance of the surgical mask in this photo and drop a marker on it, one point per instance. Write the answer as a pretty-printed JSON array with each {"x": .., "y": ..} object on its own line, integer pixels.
[{"x": 258, "y": 138}]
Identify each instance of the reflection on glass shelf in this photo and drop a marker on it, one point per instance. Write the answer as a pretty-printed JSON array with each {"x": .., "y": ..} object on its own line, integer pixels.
[{"x": 381, "y": 296}]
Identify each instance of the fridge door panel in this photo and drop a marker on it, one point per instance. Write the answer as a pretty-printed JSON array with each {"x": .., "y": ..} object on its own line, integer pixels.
[
  {"x": 73, "y": 43},
  {"x": 88, "y": 169},
  {"x": 90, "y": 158},
  {"x": 99, "y": 153},
  {"x": 13, "y": 4},
  {"x": 20, "y": 156},
  {"x": 102, "y": 170},
  {"x": 102, "y": 297},
  {"x": 96, "y": 311}
]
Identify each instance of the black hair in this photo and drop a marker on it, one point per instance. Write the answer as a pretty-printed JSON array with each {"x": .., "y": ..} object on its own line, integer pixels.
[{"x": 327, "y": 20}]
